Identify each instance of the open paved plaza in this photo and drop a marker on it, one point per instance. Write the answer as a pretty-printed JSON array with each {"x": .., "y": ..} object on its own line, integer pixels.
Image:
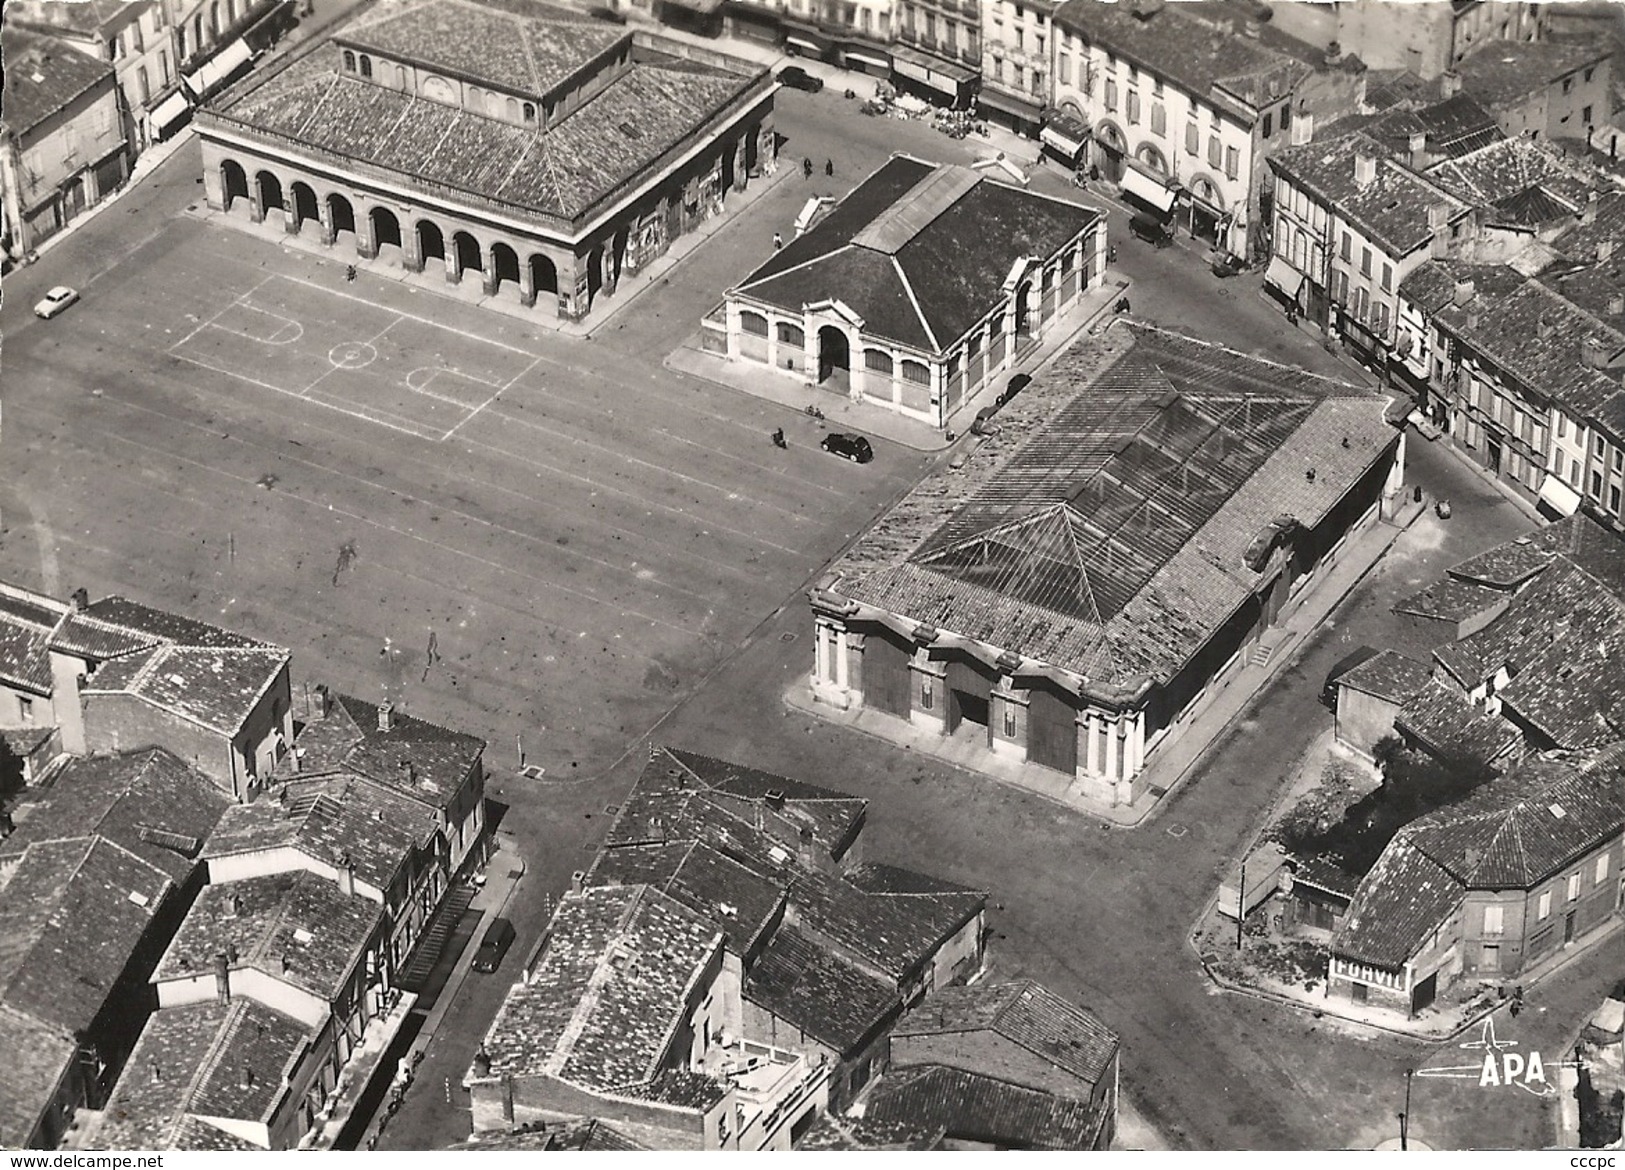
[{"x": 599, "y": 549}]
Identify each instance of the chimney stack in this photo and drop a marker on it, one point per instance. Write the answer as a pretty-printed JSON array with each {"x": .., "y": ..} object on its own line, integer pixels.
[
  {"x": 578, "y": 881},
  {"x": 1464, "y": 292},
  {"x": 1548, "y": 326},
  {"x": 157, "y": 1072},
  {"x": 324, "y": 701},
  {"x": 1334, "y": 53},
  {"x": 1616, "y": 305},
  {"x": 1588, "y": 214},
  {"x": 386, "y": 716},
  {"x": 1418, "y": 146},
  {"x": 774, "y": 799},
  {"x": 1594, "y": 353},
  {"x": 80, "y": 597},
  {"x": 1365, "y": 169},
  {"x": 222, "y": 978},
  {"x": 234, "y": 904},
  {"x": 248, "y": 1077},
  {"x": 1449, "y": 83}
]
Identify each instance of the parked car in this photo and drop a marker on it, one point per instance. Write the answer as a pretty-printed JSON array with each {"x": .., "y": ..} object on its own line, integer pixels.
[
  {"x": 798, "y": 78},
  {"x": 853, "y": 447},
  {"x": 57, "y": 300},
  {"x": 1226, "y": 264},
  {"x": 498, "y": 938},
  {"x": 609, "y": 14},
  {"x": 1016, "y": 384},
  {"x": 1328, "y": 691},
  {"x": 1152, "y": 231}
]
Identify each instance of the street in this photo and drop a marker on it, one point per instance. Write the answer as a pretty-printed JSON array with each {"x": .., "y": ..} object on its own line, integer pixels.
[{"x": 593, "y": 544}]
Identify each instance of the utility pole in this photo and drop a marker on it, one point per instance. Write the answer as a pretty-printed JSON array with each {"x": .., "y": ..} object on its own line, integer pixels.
[
  {"x": 1241, "y": 901},
  {"x": 1405, "y": 1117}
]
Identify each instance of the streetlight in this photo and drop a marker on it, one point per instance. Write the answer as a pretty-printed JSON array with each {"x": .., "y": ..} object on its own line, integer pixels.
[{"x": 1404, "y": 1118}]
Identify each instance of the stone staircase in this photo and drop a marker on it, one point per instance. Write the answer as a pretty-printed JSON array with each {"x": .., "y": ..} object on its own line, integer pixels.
[{"x": 415, "y": 974}]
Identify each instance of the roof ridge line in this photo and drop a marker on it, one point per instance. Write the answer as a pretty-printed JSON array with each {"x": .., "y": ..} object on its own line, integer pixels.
[{"x": 913, "y": 300}]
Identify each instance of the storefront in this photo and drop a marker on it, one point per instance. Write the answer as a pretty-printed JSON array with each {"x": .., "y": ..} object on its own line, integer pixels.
[
  {"x": 937, "y": 81},
  {"x": 1009, "y": 111},
  {"x": 168, "y": 116},
  {"x": 1557, "y": 499},
  {"x": 701, "y": 17},
  {"x": 1285, "y": 282},
  {"x": 803, "y": 40},
  {"x": 1204, "y": 212},
  {"x": 1065, "y": 137},
  {"x": 749, "y": 23},
  {"x": 865, "y": 58},
  {"x": 1150, "y": 198},
  {"x": 1110, "y": 152},
  {"x": 218, "y": 70}
]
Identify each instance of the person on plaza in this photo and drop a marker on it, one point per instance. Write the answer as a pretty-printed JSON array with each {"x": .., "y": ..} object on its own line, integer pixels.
[
  {"x": 778, "y": 241},
  {"x": 806, "y": 168},
  {"x": 1121, "y": 306},
  {"x": 829, "y": 167},
  {"x": 1111, "y": 254}
]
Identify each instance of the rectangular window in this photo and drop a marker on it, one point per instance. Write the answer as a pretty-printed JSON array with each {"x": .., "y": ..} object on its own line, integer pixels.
[
  {"x": 1619, "y": 459},
  {"x": 1613, "y": 498},
  {"x": 1214, "y": 151},
  {"x": 1602, "y": 871},
  {"x": 1596, "y": 486},
  {"x": 1543, "y": 908},
  {"x": 1111, "y": 95},
  {"x": 1063, "y": 70},
  {"x": 1009, "y": 721},
  {"x": 1568, "y": 84},
  {"x": 1286, "y": 117},
  {"x": 163, "y": 59},
  {"x": 1019, "y": 45},
  {"x": 926, "y": 697},
  {"x": 1574, "y": 886},
  {"x": 1038, "y": 43},
  {"x": 1562, "y": 426},
  {"x": 1585, "y": 115},
  {"x": 1346, "y": 249},
  {"x": 1159, "y": 120},
  {"x": 1493, "y": 923},
  {"x": 998, "y": 69},
  {"x": 25, "y": 708},
  {"x": 1387, "y": 277},
  {"x": 1038, "y": 82},
  {"x": 1133, "y": 107},
  {"x": 1232, "y": 162},
  {"x": 1268, "y": 126},
  {"x": 1365, "y": 262},
  {"x": 1193, "y": 139}
]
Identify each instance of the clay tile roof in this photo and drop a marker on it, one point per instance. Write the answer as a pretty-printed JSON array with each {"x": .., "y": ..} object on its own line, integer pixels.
[
  {"x": 227, "y": 1061},
  {"x": 814, "y": 989},
  {"x": 87, "y": 902},
  {"x": 919, "y": 252},
  {"x": 1392, "y": 208},
  {"x": 1389, "y": 675},
  {"x": 1451, "y": 600},
  {"x": 1503, "y": 73},
  {"x": 982, "y": 1108},
  {"x": 297, "y": 927},
  {"x": 607, "y": 994},
  {"x": 835, "y": 1133},
  {"x": 26, "y": 622},
  {"x": 148, "y": 802},
  {"x": 38, "y": 1057},
  {"x": 1026, "y": 1013},
  {"x": 894, "y": 932},
  {"x": 45, "y": 75},
  {"x": 1440, "y": 717},
  {"x": 1527, "y": 182},
  {"x": 216, "y": 688},
  {"x": 1170, "y": 455},
  {"x": 583, "y": 1135},
  {"x": 1399, "y": 903},
  {"x": 561, "y": 170},
  {"x": 416, "y": 759}
]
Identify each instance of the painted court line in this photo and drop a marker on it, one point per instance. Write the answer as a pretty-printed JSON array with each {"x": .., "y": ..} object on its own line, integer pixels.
[
  {"x": 407, "y": 316},
  {"x": 202, "y": 325},
  {"x": 500, "y": 390}
]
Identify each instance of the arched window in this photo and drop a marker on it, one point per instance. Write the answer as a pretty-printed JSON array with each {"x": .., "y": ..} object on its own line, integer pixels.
[
  {"x": 753, "y": 323},
  {"x": 877, "y": 360},
  {"x": 349, "y": 61},
  {"x": 400, "y": 76},
  {"x": 366, "y": 65},
  {"x": 141, "y": 83},
  {"x": 530, "y": 112},
  {"x": 791, "y": 334},
  {"x": 513, "y": 109},
  {"x": 914, "y": 371},
  {"x": 214, "y": 19}
]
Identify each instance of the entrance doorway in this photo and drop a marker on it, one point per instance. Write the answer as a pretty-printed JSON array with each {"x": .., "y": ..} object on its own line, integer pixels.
[
  {"x": 1423, "y": 993},
  {"x": 1568, "y": 928},
  {"x": 834, "y": 359}
]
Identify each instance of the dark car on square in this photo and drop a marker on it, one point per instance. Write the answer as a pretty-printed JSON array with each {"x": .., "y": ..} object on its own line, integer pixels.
[
  {"x": 853, "y": 447},
  {"x": 498, "y": 938},
  {"x": 796, "y": 77}
]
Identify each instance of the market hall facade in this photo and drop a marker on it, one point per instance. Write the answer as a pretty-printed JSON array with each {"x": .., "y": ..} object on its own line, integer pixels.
[{"x": 533, "y": 149}]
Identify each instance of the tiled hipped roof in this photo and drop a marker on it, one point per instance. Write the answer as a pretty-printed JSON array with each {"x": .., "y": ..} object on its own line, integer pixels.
[
  {"x": 44, "y": 76},
  {"x": 1392, "y": 207},
  {"x": 415, "y": 759},
  {"x": 920, "y": 252},
  {"x": 983, "y": 1108},
  {"x": 559, "y": 171},
  {"x": 1171, "y": 456}
]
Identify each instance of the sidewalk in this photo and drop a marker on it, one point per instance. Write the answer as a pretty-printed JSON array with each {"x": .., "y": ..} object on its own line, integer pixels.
[
  {"x": 789, "y": 390},
  {"x": 1186, "y": 745}
]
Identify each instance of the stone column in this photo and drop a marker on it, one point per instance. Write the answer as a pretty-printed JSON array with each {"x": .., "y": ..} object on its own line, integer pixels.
[
  {"x": 574, "y": 300},
  {"x": 1091, "y": 754},
  {"x": 527, "y": 284},
  {"x": 324, "y": 211},
  {"x": 608, "y": 278},
  {"x": 741, "y": 169},
  {"x": 290, "y": 218},
  {"x": 488, "y": 277},
  {"x": 411, "y": 258},
  {"x": 821, "y": 651},
  {"x": 365, "y": 246},
  {"x": 767, "y": 147},
  {"x": 1114, "y": 735},
  {"x": 453, "y": 274},
  {"x": 256, "y": 213},
  {"x": 843, "y": 674}
]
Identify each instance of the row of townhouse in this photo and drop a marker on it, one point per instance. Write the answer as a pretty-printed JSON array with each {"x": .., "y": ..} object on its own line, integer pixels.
[
  {"x": 730, "y": 970},
  {"x": 235, "y": 904},
  {"x": 90, "y": 85},
  {"x": 1523, "y": 681}
]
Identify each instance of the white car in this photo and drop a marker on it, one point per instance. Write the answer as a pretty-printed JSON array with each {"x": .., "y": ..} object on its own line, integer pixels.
[{"x": 58, "y": 299}]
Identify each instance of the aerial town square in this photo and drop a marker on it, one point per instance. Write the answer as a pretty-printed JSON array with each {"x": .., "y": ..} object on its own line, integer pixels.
[{"x": 760, "y": 575}]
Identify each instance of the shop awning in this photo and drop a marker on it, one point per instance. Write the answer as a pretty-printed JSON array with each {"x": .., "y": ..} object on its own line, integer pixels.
[
  {"x": 1284, "y": 277},
  {"x": 699, "y": 5},
  {"x": 1145, "y": 190},
  {"x": 868, "y": 57},
  {"x": 1065, "y": 134},
  {"x": 807, "y": 40},
  {"x": 1009, "y": 104},
  {"x": 942, "y": 76},
  {"x": 1560, "y": 495},
  {"x": 169, "y": 111},
  {"x": 219, "y": 67}
]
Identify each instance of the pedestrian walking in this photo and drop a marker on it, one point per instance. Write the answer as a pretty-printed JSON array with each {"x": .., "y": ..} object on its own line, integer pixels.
[
  {"x": 806, "y": 168},
  {"x": 829, "y": 167},
  {"x": 778, "y": 241}
]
